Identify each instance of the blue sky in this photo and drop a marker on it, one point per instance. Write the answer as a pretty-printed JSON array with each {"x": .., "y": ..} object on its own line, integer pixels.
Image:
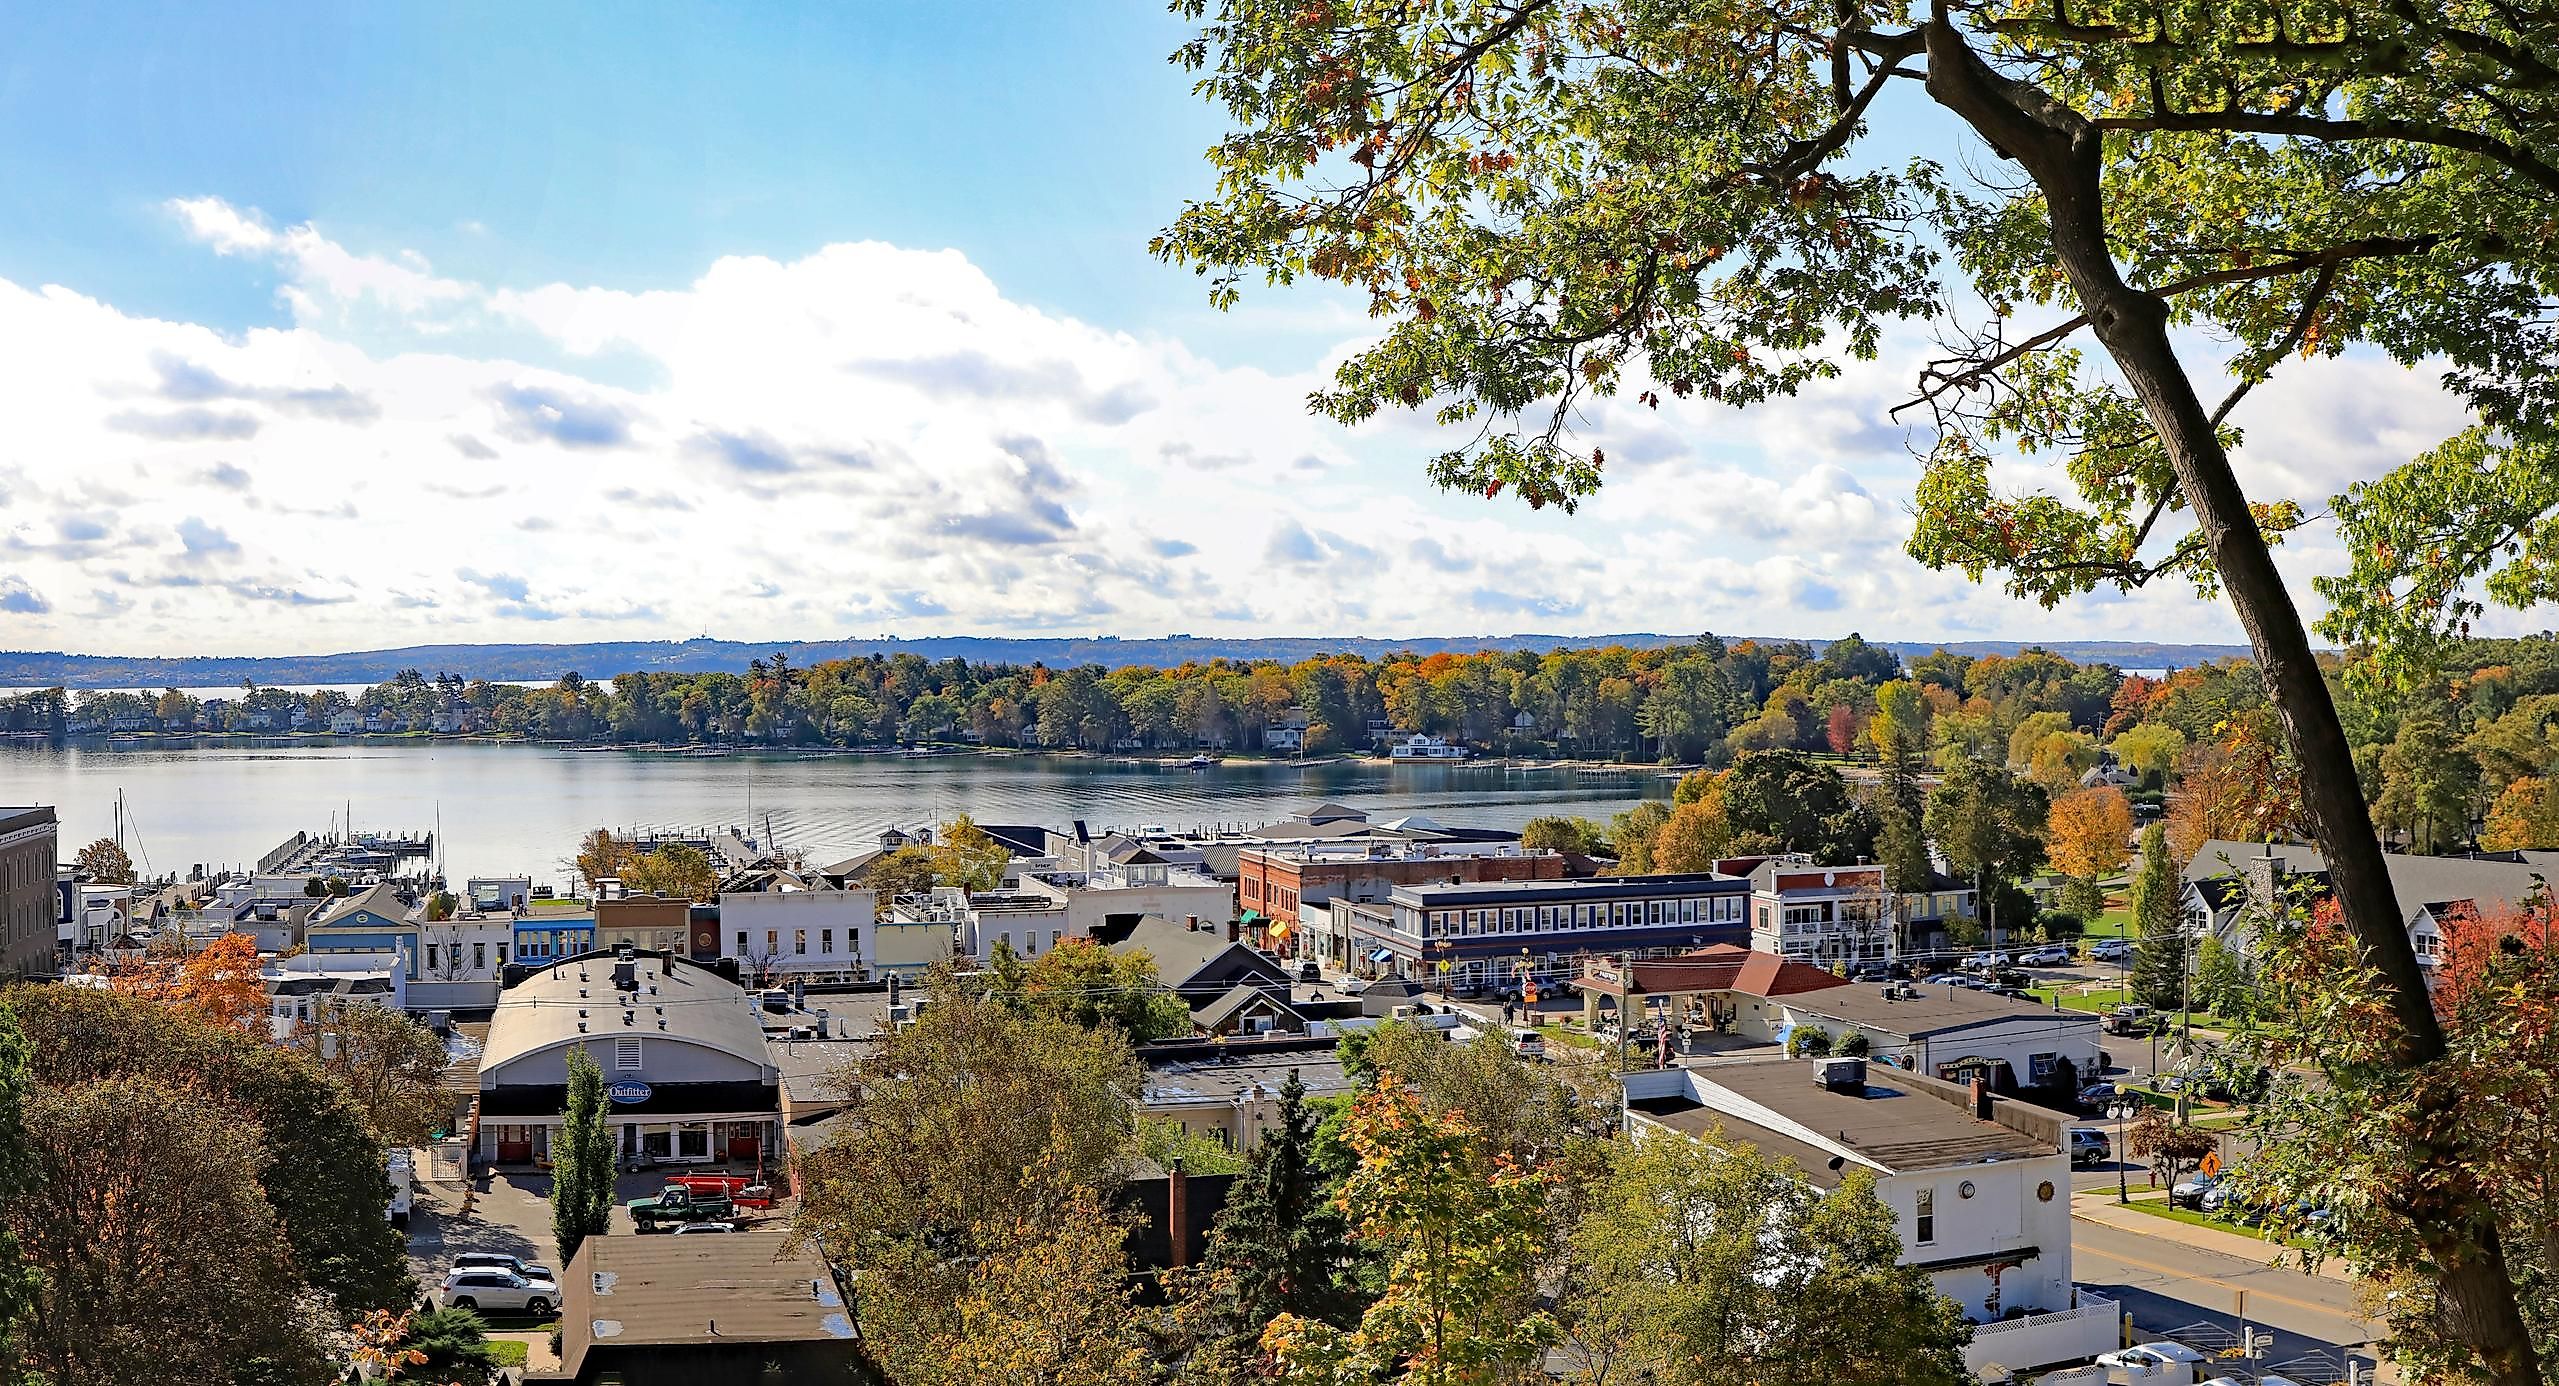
[{"x": 330, "y": 327}]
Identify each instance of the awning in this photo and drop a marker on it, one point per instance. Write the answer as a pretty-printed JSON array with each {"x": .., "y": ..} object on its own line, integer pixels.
[
  {"x": 2017, "y": 1257},
  {"x": 1251, "y": 917},
  {"x": 1381, "y": 955}
]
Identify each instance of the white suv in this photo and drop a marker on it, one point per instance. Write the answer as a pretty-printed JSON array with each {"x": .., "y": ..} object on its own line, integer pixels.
[{"x": 488, "y": 1287}]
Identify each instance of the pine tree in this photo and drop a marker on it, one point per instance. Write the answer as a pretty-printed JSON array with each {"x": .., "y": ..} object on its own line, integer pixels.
[
  {"x": 582, "y": 1163},
  {"x": 1278, "y": 1247},
  {"x": 1903, "y": 844},
  {"x": 2159, "y": 960}
]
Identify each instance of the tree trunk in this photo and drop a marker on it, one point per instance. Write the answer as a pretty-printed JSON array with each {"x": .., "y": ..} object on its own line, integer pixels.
[{"x": 2063, "y": 154}]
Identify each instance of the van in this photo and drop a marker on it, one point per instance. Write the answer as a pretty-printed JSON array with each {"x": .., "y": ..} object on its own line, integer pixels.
[{"x": 1527, "y": 1043}]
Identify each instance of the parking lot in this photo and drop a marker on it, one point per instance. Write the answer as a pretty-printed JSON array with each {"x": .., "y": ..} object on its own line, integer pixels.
[{"x": 510, "y": 1212}]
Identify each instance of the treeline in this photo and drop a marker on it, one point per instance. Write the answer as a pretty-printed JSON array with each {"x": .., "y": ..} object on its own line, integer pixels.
[{"x": 1703, "y": 700}]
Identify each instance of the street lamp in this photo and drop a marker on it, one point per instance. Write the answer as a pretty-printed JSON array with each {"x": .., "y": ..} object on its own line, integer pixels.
[{"x": 2121, "y": 1111}]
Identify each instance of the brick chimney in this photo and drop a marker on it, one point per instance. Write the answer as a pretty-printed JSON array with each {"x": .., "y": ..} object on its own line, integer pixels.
[
  {"x": 1234, "y": 930},
  {"x": 1981, "y": 1097},
  {"x": 1177, "y": 1220}
]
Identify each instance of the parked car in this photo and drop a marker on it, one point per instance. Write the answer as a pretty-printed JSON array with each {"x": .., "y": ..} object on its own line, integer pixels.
[
  {"x": 2109, "y": 950},
  {"x": 2098, "y": 1095},
  {"x": 704, "y": 1227},
  {"x": 1307, "y": 971},
  {"x": 1870, "y": 972},
  {"x": 2151, "y": 1355},
  {"x": 499, "y": 1260},
  {"x": 488, "y": 1287},
  {"x": 1527, "y": 1043},
  {"x": 2089, "y": 1147},
  {"x": 1984, "y": 962},
  {"x": 2131, "y": 1020},
  {"x": 2012, "y": 993},
  {"x": 2189, "y": 1192},
  {"x": 1953, "y": 979},
  {"x": 2051, "y": 955}
]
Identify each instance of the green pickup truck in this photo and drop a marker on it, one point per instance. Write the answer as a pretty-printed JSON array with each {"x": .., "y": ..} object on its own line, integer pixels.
[{"x": 676, "y": 1205}]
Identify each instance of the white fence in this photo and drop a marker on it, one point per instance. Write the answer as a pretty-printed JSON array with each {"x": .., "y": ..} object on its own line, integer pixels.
[{"x": 2065, "y": 1335}]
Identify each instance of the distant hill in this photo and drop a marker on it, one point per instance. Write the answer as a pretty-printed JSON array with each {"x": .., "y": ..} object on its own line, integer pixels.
[{"x": 603, "y": 659}]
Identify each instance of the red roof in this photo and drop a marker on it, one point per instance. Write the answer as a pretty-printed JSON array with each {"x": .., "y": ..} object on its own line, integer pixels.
[{"x": 1724, "y": 967}]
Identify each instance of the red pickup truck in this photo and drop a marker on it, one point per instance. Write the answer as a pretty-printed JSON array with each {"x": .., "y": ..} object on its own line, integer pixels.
[{"x": 737, "y": 1188}]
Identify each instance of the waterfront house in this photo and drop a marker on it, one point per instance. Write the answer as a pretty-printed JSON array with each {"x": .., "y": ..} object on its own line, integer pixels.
[{"x": 375, "y": 920}]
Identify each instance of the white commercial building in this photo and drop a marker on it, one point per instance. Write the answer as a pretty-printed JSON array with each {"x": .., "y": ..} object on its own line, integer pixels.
[{"x": 820, "y": 934}]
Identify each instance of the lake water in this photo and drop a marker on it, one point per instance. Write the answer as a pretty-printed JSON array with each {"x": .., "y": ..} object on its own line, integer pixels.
[{"x": 519, "y": 810}]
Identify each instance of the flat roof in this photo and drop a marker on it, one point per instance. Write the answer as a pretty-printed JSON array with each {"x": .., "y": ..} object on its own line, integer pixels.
[
  {"x": 746, "y": 1287},
  {"x": 1479, "y": 893},
  {"x": 16, "y": 816},
  {"x": 1898, "y": 1123}
]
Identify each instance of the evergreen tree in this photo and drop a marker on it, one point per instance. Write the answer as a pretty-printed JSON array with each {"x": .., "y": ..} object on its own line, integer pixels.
[
  {"x": 582, "y": 1164},
  {"x": 2159, "y": 960},
  {"x": 1277, "y": 1248},
  {"x": 1902, "y": 843}
]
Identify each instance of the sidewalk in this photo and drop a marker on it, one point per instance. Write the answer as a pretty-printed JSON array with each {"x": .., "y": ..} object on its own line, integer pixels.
[{"x": 2098, "y": 1206}]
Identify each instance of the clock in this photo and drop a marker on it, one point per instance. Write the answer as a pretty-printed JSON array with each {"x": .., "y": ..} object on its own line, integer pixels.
[{"x": 1964, "y": 1190}]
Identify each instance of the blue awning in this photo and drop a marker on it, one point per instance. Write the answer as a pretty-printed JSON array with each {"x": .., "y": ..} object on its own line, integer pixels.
[{"x": 1381, "y": 955}]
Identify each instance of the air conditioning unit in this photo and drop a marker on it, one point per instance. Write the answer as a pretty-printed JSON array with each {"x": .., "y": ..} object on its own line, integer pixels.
[
  {"x": 1839, "y": 1074},
  {"x": 1407, "y": 1012}
]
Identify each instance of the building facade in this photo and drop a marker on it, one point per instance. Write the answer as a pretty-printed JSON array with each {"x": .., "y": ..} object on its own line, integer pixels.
[
  {"x": 1289, "y": 885},
  {"x": 30, "y": 905},
  {"x": 1483, "y": 935},
  {"x": 811, "y": 935}
]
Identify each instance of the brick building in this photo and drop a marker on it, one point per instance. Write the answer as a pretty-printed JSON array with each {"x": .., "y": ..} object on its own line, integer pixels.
[
  {"x": 1284, "y": 887},
  {"x": 30, "y": 901}
]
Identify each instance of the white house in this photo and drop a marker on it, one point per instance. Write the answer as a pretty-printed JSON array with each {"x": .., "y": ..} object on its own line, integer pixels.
[
  {"x": 1979, "y": 1184},
  {"x": 1423, "y": 746},
  {"x": 1949, "y": 1032},
  {"x": 304, "y": 988}
]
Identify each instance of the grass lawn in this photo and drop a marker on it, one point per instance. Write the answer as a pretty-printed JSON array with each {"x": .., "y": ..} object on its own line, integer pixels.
[
  {"x": 1569, "y": 1034},
  {"x": 509, "y": 1352},
  {"x": 2158, "y": 1208},
  {"x": 2102, "y": 999},
  {"x": 2116, "y": 922}
]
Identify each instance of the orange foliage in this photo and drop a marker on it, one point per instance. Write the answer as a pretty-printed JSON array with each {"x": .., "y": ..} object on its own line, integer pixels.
[
  {"x": 2473, "y": 941},
  {"x": 221, "y": 980}
]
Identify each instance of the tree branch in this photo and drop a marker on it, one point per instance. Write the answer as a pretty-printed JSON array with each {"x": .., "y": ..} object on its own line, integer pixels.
[{"x": 2517, "y": 160}]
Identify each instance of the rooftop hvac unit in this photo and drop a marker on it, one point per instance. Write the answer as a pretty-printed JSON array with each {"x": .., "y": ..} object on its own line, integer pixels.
[{"x": 1846, "y": 1075}]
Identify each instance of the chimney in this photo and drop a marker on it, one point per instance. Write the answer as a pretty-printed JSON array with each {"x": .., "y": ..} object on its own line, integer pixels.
[
  {"x": 1177, "y": 1220},
  {"x": 666, "y": 962},
  {"x": 1981, "y": 1098},
  {"x": 2265, "y": 877},
  {"x": 1234, "y": 930},
  {"x": 1191, "y": 924}
]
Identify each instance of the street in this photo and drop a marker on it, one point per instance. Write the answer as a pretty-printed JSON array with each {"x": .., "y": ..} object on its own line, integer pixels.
[{"x": 2169, "y": 1284}]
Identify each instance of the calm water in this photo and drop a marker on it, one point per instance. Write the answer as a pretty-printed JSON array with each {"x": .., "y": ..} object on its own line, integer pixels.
[{"x": 512, "y": 809}]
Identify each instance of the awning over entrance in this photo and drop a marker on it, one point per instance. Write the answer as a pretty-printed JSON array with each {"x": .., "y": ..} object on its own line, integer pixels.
[{"x": 1379, "y": 955}]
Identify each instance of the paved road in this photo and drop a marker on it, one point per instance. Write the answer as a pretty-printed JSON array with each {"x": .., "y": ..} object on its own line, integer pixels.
[{"x": 2166, "y": 1284}]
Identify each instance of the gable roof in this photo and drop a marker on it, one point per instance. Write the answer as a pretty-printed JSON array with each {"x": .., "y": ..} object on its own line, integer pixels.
[
  {"x": 1236, "y": 999},
  {"x": 1329, "y": 812},
  {"x": 1182, "y": 953},
  {"x": 2416, "y": 882},
  {"x": 381, "y": 900},
  {"x": 1724, "y": 967}
]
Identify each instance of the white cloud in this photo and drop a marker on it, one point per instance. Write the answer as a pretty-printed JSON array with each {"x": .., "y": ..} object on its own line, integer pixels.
[{"x": 872, "y": 437}]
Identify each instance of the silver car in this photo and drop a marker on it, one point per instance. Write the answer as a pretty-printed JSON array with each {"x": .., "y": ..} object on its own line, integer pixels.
[{"x": 487, "y": 1287}]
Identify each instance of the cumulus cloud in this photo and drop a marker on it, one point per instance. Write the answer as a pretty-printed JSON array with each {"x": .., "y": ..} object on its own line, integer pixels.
[
  {"x": 18, "y": 599},
  {"x": 874, "y": 438}
]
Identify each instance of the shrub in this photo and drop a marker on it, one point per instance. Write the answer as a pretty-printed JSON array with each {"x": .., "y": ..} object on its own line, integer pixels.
[{"x": 1808, "y": 1041}]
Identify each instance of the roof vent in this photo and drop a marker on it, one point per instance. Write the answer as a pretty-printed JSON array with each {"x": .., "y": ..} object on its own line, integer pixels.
[
  {"x": 1841, "y": 1074},
  {"x": 581, "y": 1027}
]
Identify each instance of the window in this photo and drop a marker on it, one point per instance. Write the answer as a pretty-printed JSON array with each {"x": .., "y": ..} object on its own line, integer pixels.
[
  {"x": 626, "y": 1058},
  {"x": 1055, "y": 936},
  {"x": 826, "y": 941},
  {"x": 479, "y": 957},
  {"x": 432, "y": 964},
  {"x": 1927, "y": 1231},
  {"x": 772, "y": 942},
  {"x": 741, "y": 943},
  {"x": 501, "y": 955},
  {"x": 800, "y": 942}
]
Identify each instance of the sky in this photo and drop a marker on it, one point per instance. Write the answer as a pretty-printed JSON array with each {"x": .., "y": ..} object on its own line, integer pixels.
[{"x": 331, "y": 328}]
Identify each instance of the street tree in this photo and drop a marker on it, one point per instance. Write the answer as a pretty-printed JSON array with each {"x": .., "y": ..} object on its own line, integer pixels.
[
  {"x": 678, "y": 869},
  {"x": 600, "y": 854},
  {"x": 1083, "y": 983},
  {"x": 1989, "y": 823},
  {"x": 582, "y": 1162},
  {"x": 964, "y": 855},
  {"x": 1547, "y": 204},
  {"x": 104, "y": 861},
  {"x": 1784, "y": 801}
]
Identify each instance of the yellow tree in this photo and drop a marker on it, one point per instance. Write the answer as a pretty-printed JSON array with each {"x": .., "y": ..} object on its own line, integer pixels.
[
  {"x": 1459, "y": 1248},
  {"x": 1694, "y": 836},
  {"x": 2526, "y": 816},
  {"x": 2088, "y": 838}
]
